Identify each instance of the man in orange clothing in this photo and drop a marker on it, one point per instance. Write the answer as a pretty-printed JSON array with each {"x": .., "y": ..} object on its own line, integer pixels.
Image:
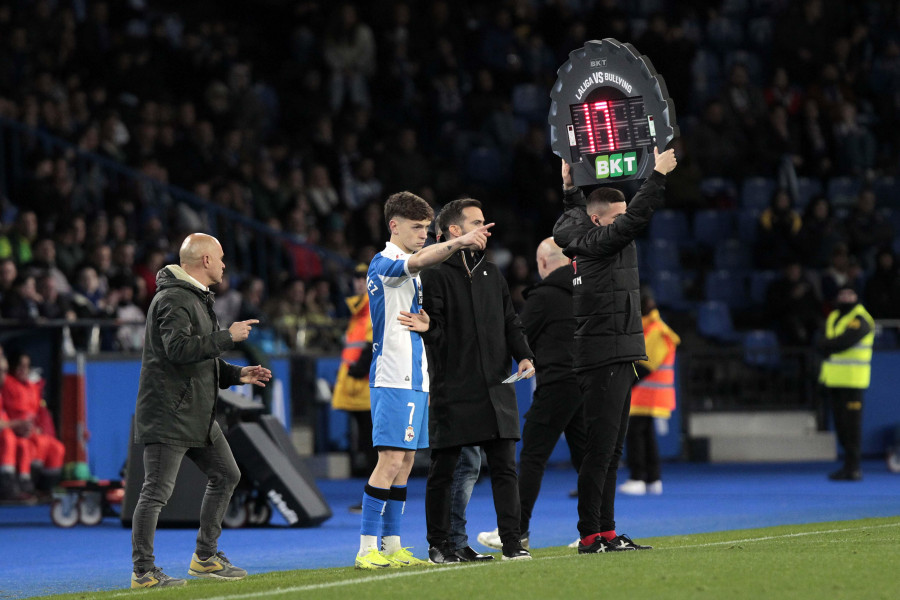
[
  {"x": 351, "y": 390},
  {"x": 15, "y": 452},
  {"x": 652, "y": 398},
  {"x": 22, "y": 402}
]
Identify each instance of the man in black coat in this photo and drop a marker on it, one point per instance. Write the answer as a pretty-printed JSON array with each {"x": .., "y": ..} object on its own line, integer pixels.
[
  {"x": 472, "y": 330},
  {"x": 598, "y": 235},
  {"x": 556, "y": 406},
  {"x": 181, "y": 373}
]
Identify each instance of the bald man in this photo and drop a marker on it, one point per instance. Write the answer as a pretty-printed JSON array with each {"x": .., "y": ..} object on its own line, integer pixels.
[
  {"x": 176, "y": 408},
  {"x": 556, "y": 404}
]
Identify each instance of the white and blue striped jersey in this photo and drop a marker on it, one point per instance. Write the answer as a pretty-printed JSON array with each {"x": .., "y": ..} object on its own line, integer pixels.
[{"x": 398, "y": 354}]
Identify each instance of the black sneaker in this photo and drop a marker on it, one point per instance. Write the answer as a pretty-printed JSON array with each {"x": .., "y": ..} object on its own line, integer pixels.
[
  {"x": 846, "y": 474},
  {"x": 467, "y": 554},
  {"x": 442, "y": 556},
  {"x": 599, "y": 546},
  {"x": 515, "y": 552},
  {"x": 623, "y": 542}
]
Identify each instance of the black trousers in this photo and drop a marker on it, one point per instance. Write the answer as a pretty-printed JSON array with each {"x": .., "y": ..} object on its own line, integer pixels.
[
  {"x": 363, "y": 457},
  {"x": 607, "y": 401},
  {"x": 501, "y": 458},
  {"x": 643, "y": 451},
  {"x": 846, "y": 403},
  {"x": 538, "y": 442}
]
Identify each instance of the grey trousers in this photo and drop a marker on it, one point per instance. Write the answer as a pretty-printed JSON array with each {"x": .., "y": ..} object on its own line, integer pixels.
[{"x": 161, "y": 465}]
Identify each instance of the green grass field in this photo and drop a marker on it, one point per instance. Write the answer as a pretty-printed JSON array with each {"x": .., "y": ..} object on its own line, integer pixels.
[{"x": 822, "y": 561}]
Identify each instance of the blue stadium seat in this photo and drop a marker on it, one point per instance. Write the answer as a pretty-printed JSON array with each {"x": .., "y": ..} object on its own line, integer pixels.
[
  {"x": 748, "y": 225},
  {"x": 719, "y": 191},
  {"x": 886, "y": 338},
  {"x": 728, "y": 287},
  {"x": 714, "y": 321},
  {"x": 670, "y": 225},
  {"x": 756, "y": 193},
  {"x": 661, "y": 255},
  {"x": 485, "y": 165},
  {"x": 759, "y": 283},
  {"x": 668, "y": 289},
  {"x": 842, "y": 191},
  {"x": 761, "y": 349},
  {"x": 530, "y": 101},
  {"x": 887, "y": 192},
  {"x": 807, "y": 189},
  {"x": 733, "y": 255},
  {"x": 713, "y": 226}
]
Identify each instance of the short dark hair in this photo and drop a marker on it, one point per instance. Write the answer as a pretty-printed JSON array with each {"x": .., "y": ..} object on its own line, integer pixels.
[
  {"x": 408, "y": 206},
  {"x": 601, "y": 198},
  {"x": 452, "y": 213}
]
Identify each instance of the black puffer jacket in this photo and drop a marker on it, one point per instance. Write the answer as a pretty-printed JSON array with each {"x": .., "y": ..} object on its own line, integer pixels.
[
  {"x": 607, "y": 299},
  {"x": 181, "y": 371}
]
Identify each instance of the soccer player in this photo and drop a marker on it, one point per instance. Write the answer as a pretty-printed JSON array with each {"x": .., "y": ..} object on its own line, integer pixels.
[{"x": 399, "y": 373}]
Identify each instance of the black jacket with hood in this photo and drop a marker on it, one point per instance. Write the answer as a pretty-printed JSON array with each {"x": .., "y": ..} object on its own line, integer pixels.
[
  {"x": 474, "y": 332},
  {"x": 181, "y": 371},
  {"x": 607, "y": 299}
]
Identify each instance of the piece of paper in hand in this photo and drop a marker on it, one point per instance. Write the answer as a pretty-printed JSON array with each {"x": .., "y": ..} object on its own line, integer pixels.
[{"x": 516, "y": 377}]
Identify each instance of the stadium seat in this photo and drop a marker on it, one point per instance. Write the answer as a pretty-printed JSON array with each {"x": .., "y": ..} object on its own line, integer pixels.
[
  {"x": 759, "y": 283},
  {"x": 719, "y": 192},
  {"x": 670, "y": 225},
  {"x": 668, "y": 289},
  {"x": 748, "y": 225},
  {"x": 712, "y": 227},
  {"x": 733, "y": 255},
  {"x": 886, "y": 338},
  {"x": 842, "y": 191},
  {"x": 807, "y": 189},
  {"x": 756, "y": 193},
  {"x": 714, "y": 321},
  {"x": 887, "y": 192},
  {"x": 530, "y": 101},
  {"x": 728, "y": 287},
  {"x": 484, "y": 165},
  {"x": 661, "y": 255},
  {"x": 761, "y": 349}
]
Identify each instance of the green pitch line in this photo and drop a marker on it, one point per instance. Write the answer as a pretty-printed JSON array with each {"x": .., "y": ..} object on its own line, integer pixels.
[{"x": 845, "y": 559}]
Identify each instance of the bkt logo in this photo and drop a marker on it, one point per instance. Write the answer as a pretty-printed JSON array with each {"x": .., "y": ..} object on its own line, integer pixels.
[
  {"x": 616, "y": 165},
  {"x": 600, "y": 62}
]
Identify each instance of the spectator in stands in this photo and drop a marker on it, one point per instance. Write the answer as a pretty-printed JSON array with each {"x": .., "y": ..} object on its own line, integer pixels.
[
  {"x": 287, "y": 311},
  {"x": 854, "y": 143},
  {"x": 783, "y": 92},
  {"x": 22, "y": 302},
  {"x": 743, "y": 100},
  {"x": 130, "y": 318},
  {"x": 867, "y": 229},
  {"x": 349, "y": 52},
  {"x": 883, "y": 287},
  {"x": 843, "y": 270},
  {"x": 792, "y": 306},
  {"x": 22, "y": 399},
  {"x": 717, "y": 144},
  {"x": 816, "y": 140},
  {"x": 779, "y": 229},
  {"x": 819, "y": 234},
  {"x": 18, "y": 244},
  {"x": 228, "y": 302},
  {"x": 321, "y": 193},
  {"x": 70, "y": 245},
  {"x": 8, "y": 275},
  {"x": 44, "y": 263},
  {"x": 53, "y": 304},
  {"x": 153, "y": 261}
]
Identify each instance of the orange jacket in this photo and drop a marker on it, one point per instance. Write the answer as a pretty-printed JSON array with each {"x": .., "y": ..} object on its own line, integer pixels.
[
  {"x": 654, "y": 396},
  {"x": 349, "y": 392}
]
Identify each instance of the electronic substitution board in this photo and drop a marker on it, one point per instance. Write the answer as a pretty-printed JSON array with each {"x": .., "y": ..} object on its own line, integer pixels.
[{"x": 609, "y": 109}]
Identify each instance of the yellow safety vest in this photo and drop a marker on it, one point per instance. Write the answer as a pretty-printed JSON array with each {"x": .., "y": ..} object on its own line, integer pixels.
[{"x": 851, "y": 368}]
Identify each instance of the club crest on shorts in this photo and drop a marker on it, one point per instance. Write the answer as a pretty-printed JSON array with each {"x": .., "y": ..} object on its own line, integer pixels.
[{"x": 410, "y": 434}]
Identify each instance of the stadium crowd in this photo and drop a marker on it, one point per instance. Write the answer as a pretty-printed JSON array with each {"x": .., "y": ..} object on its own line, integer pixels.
[{"x": 308, "y": 115}]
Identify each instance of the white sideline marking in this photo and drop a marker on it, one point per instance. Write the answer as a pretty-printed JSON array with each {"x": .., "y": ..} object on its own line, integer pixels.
[{"x": 431, "y": 570}]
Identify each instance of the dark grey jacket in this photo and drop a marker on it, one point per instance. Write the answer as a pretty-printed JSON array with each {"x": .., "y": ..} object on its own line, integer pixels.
[
  {"x": 474, "y": 332},
  {"x": 181, "y": 370},
  {"x": 606, "y": 290}
]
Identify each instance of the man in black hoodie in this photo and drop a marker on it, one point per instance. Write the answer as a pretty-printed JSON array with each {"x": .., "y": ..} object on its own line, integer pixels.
[
  {"x": 556, "y": 405},
  {"x": 181, "y": 373},
  {"x": 598, "y": 235}
]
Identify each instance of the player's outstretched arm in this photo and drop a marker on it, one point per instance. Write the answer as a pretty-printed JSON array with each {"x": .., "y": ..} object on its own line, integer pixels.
[{"x": 438, "y": 253}]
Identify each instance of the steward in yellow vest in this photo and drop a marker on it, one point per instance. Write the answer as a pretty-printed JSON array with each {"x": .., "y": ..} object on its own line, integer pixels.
[
  {"x": 846, "y": 370},
  {"x": 652, "y": 397},
  {"x": 351, "y": 390}
]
